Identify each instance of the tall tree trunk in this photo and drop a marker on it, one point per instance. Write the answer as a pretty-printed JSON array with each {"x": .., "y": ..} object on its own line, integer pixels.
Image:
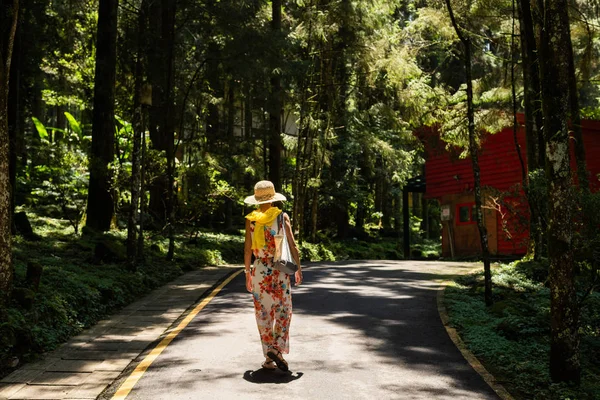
[
  {"x": 398, "y": 212},
  {"x": 168, "y": 28},
  {"x": 213, "y": 123},
  {"x": 248, "y": 113},
  {"x": 156, "y": 115},
  {"x": 537, "y": 18},
  {"x": 416, "y": 205},
  {"x": 231, "y": 151},
  {"x": 555, "y": 59},
  {"x": 340, "y": 79},
  {"x": 314, "y": 209},
  {"x": 388, "y": 209},
  {"x": 138, "y": 134},
  {"x": 275, "y": 145},
  {"x": 513, "y": 85},
  {"x": 473, "y": 150},
  {"x": 61, "y": 119},
  {"x": 9, "y": 14},
  {"x": 14, "y": 111},
  {"x": 100, "y": 197},
  {"x": 160, "y": 73},
  {"x": 36, "y": 111},
  {"x": 582, "y": 172},
  {"x": 533, "y": 119},
  {"x": 425, "y": 227},
  {"x": 531, "y": 82},
  {"x": 378, "y": 188},
  {"x": 143, "y": 208},
  {"x": 298, "y": 181}
]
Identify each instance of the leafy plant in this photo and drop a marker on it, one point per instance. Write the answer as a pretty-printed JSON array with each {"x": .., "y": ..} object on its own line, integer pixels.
[{"x": 63, "y": 177}]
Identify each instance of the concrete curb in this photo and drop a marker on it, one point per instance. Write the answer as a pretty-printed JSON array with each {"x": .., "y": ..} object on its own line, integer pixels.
[
  {"x": 84, "y": 366},
  {"x": 460, "y": 344}
]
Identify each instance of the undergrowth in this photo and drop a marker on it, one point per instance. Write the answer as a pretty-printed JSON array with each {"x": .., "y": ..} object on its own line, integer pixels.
[{"x": 512, "y": 338}]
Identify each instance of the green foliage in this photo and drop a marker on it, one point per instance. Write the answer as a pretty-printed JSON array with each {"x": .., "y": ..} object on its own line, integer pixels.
[
  {"x": 76, "y": 127},
  {"x": 381, "y": 249},
  {"x": 210, "y": 257},
  {"x": 512, "y": 337},
  {"x": 59, "y": 179},
  {"x": 427, "y": 248},
  {"x": 66, "y": 35},
  {"x": 533, "y": 270},
  {"x": 209, "y": 248},
  {"x": 41, "y": 129},
  {"x": 317, "y": 252},
  {"x": 206, "y": 188}
]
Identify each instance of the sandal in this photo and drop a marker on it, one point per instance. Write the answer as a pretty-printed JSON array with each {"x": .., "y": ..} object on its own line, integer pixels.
[
  {"x": 278, "y": 359},
  {"x": 269, "y": 364}
]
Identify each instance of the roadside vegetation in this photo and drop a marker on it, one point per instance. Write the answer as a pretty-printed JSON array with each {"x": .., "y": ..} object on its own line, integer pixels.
[{"x": 512, "y": 338}]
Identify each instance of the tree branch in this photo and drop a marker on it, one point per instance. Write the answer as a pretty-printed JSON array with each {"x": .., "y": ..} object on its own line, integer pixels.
[{"x": 457, "y": 28}]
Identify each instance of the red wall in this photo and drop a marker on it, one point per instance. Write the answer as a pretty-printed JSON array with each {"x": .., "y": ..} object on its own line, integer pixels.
[
  {"x": 591, "y": 141},
  {"x": 501, "y": 169},
  {"x": 445, "y": 173}
]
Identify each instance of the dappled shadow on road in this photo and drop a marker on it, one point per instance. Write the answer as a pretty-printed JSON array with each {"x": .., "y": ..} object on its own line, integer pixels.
[
  {"x": 263, "y": 375},
  {"x": 387, "y": 309},
  {"x": 390, "y": 309}
]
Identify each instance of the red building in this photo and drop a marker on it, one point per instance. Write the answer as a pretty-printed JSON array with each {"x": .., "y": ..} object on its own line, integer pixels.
[{"x": 450, "y": 181}]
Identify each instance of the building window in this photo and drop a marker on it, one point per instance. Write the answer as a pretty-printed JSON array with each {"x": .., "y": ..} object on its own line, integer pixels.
[{"x": 465, "y": 214}]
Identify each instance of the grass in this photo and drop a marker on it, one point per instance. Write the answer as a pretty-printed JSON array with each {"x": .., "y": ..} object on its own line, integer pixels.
[{"x": 512, "y": 338}]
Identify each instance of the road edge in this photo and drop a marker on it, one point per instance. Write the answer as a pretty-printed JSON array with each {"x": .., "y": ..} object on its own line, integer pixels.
[
  {"x": 129, "y": 371},
  {"x": 460, "y": 345}
]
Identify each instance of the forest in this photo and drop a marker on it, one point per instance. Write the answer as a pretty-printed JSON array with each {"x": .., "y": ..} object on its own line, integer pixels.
[{"x": 132, "y": 130}]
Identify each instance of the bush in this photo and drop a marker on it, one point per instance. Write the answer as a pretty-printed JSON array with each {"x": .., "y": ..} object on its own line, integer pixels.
[
  {"x": 309, "y": 252},
  {"x": 534, "y": 270},
  {"x": 209, "y": 257}
]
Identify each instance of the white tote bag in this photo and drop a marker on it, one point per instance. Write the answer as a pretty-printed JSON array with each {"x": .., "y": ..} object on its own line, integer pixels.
[{"x": 283, "y": 260}]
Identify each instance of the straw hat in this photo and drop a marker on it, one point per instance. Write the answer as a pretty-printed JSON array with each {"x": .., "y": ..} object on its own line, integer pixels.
[{"x": 264, "y": 192}]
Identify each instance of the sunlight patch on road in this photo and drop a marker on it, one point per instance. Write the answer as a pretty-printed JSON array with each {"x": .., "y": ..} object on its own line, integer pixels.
[{"x": 420, "y": 349}]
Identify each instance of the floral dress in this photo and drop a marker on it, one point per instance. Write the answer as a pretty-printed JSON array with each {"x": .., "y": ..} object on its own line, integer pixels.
[{"x": 272, "y": 295}]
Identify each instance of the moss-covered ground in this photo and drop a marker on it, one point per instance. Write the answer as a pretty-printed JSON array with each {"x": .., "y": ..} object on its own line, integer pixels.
[{"x": 512, "y": 337}]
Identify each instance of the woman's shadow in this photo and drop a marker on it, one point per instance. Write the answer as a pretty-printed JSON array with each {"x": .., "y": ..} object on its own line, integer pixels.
[{"x": 263, "y": 375}]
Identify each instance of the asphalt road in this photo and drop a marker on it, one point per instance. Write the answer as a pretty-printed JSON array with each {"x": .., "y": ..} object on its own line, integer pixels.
[{"x": 360, "y": 330}]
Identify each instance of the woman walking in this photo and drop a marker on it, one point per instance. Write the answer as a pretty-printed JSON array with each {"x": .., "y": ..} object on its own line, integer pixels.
[{"x": 270, "y": 288}]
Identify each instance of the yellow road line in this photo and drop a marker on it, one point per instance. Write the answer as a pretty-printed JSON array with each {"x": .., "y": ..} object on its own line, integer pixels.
[{"x": 135, "y": 376}]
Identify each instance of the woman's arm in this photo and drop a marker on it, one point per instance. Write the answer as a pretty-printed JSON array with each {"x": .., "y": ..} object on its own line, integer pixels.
[
  {"x": 293, "y": 248},
  {"x": 291, "y": 241},
  {"x": 248, "y": 256},
  {"x": 248, "y": 247}
]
